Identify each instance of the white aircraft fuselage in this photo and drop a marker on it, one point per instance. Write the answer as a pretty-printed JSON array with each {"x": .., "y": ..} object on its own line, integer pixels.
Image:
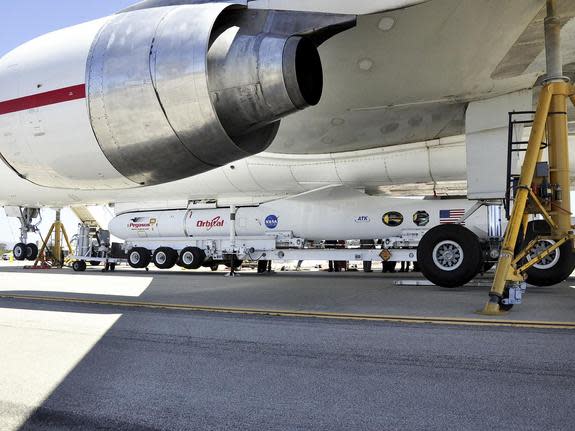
[{"x": 395, "y": 93}]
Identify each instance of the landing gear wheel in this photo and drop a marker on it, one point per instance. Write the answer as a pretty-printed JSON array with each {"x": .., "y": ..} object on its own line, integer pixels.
[
  {"x": 450, "y": 255},
  {"x": 192, "y": 258},
  {"x": 556, "y": 267},
  {"x": 214, "y": 268},
  {"x": 139, "y": 257},
  {"x": 31, "y": 251},
  {"x": 165, "y": 258},
  {"x": 19, "y": 251},
  {"x": 79, "y": 266}
]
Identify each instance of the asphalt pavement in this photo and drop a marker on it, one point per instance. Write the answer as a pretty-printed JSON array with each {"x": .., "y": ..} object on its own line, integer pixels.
[
  {"x": 84, "y": 367},
  {"x": 351, "y": 292}
]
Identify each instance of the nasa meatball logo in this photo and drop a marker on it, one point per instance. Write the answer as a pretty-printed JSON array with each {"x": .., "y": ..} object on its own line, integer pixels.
[{"x": 271, "y": 221}]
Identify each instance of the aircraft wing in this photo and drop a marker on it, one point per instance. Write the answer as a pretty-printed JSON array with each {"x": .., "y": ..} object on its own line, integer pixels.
[
  {"x": 528, "y": 52},
  {"x": 351, "y": 7}
]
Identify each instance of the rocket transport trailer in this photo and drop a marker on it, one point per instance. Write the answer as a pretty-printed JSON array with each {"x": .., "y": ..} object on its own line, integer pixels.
[{"x": 451, "y": 239}]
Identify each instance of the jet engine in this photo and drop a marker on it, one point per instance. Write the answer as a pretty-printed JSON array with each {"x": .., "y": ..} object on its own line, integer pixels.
[{"x": 155, "y": 95}]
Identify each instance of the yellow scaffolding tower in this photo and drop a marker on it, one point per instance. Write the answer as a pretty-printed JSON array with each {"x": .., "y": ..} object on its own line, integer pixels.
[{"x": 550, "y": 117}]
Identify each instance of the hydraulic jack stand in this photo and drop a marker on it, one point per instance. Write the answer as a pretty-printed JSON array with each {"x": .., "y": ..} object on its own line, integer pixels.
[
  {"x": 55, "y": 259},
  {"x": 553, "y": 203}
]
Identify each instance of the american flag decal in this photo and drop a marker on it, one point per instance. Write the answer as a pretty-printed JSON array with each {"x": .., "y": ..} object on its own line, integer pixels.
[{"x": 450, "y": 216}]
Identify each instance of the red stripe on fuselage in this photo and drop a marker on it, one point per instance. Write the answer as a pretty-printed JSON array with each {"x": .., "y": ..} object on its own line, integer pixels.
[{"x": 43, "y": 99}]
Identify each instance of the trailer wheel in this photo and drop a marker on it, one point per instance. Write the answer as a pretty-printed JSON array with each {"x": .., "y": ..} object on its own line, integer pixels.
[
  {"x": 139, "y": 257},
  {"x": 79, "y": 266},
  {"x": 19, "y": 251},
  {"x": 192, "y": 258},
  {"x": 450, "y": 255},
  {"x": 556, "y": 267},
  {"x": 31, "y": 251},
  {"x": 165, "y": 257}
]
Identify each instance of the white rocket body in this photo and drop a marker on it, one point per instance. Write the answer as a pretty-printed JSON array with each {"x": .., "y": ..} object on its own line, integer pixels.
[{"x": 333, "y": 213}]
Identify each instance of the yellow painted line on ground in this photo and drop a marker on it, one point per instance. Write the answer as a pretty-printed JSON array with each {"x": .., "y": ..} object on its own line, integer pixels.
[{"x": 309, "y": 314}]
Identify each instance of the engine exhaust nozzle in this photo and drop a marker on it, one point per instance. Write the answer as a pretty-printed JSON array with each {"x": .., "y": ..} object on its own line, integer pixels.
[{"x": 257, "y": 80}]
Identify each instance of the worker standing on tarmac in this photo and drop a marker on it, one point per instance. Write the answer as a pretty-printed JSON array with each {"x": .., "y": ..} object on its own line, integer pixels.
[
  {"x": 264, "y": 266},
  {"x": 367, "y": 244},
  {"x": 330, "y": 244}
]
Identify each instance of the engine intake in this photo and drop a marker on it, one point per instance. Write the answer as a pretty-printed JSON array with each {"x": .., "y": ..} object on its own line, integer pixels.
[{"x": 176, "y": 91}]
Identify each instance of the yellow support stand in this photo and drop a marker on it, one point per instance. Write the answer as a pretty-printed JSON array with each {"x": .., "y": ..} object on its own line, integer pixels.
[
  {"x": 56, "y": 259},
  {"x": 551, "y": 116}
]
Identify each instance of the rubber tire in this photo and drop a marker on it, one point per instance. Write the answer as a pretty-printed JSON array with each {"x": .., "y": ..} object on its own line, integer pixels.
[
  {"x": 214, "y": 268},
  {"x": 562, "y": 269},
  {"x": 416, "y": 267},
  {"x": 171, "y": 258},
  {"x": 19, "y": 251},
  {"x": 31, "y": 251},
  {"x": 199, "y": 257},
  {"x": 145, "y": 257},
  {"x": 79, "y": 266},
  {"x": 472, "y": 255}
]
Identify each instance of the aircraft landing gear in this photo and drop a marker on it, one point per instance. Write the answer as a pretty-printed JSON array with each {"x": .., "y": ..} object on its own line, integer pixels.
[
  {"x": 31, "y": 251},
  {"x": 556, "y": 266},
  {"x": 26, "y": 216},
  {"x": 23, "y": 251},
  {"x": 450, "y": 255}
]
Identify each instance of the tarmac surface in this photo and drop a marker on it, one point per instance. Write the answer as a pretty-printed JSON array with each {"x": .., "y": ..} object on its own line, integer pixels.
[
  {"x": 85, "y": 366},
  {"x": 346, "y": 292}
]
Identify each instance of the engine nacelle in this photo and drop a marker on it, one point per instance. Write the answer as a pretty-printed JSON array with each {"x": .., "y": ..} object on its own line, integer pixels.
[{"x": 156, "y": 95}]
